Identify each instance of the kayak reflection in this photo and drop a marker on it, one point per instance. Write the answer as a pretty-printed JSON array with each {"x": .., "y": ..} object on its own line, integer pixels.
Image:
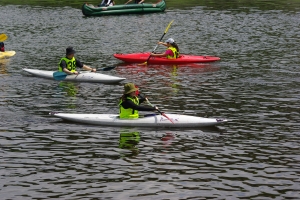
[{"x": 169, "y": 76}]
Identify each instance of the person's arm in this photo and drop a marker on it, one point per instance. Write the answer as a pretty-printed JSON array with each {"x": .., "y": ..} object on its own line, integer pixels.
[
  {"x": 79, "y": 64},
  {"x": 167, "y": 52},
  {"x": 89, "y": 68},
  {"x": 129, "y": 104},
  {"x": 141, "y": 1},
  {"x": 162, "y": 43},
  {"x": 128, "y": 2}
]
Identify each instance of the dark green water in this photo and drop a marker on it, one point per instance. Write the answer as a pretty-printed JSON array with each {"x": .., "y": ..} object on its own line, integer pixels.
[{"x": 255, "y": 86}]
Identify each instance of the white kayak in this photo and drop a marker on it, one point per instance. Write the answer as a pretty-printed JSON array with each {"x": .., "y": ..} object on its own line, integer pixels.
[
  {"x": 154, "y": 120},
  {"x": 84, "y": 76},
  {"x": 7, "y": 54}
]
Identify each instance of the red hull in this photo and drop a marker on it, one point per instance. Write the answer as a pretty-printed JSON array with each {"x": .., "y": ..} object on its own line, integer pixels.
[{"x": 183, "y": 59}]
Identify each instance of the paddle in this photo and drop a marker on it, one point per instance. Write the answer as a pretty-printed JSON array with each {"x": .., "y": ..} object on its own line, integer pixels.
[
  {"x": 145, "y": 63},
  {"x": 163, "y": 114},
  {"x": 59, "y": 76},
  {"x": 3, "y": 37}
]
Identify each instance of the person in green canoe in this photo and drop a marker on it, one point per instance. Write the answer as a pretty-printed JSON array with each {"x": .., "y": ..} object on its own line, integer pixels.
[
  {"x": 107, "y": 3},
  {"x": 135, "y": 1},
  {"x": 129, "y": 103},
  {"x": 69, "y": 63},
  {"x": 171, "y": 53}
]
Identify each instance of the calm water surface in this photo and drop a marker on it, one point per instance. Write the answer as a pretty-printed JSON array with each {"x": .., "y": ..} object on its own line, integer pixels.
[{"x": 255, "y": 86}]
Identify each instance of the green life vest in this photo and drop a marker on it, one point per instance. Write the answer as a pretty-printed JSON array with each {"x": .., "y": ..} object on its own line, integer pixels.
[
  {"x": 175, "y": 53},
  {"x": 71, "y": 64},
  {"x": 129, "y": 113}
]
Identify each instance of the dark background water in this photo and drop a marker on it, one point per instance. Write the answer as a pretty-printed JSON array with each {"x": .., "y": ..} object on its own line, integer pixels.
[{"x": 255, "y": 86}]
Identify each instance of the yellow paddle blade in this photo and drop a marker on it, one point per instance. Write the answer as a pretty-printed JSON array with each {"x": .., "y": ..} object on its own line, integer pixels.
[
  {"x": 3, "y": 37},
  {"x": 144, "y": 63},
  {"x": 169, "y": 26}
]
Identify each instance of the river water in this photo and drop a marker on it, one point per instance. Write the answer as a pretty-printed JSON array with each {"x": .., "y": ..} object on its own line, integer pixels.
[{"x": 256, "y": 86}]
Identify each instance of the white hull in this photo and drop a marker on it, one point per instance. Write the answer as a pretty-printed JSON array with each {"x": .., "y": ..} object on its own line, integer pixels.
[
  {"x": 148, "y": 121},
  {"x": 82, "y": 77}
]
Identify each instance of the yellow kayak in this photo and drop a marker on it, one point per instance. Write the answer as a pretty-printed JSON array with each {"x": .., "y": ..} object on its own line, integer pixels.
[{"x": 7, "y": 54}]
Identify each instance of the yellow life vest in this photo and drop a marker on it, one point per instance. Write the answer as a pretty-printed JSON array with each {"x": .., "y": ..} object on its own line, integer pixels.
[
  {"x": 71, "y": 64},
  {"x": 175, "y": 53},
  {"x": 129, "y": 113}
]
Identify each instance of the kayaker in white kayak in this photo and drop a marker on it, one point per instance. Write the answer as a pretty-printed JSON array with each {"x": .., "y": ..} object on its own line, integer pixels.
[
  {"x": 171, "y": 53},
  {"x": 69, "y": 63},
  {"x": 130, "y": 104}
]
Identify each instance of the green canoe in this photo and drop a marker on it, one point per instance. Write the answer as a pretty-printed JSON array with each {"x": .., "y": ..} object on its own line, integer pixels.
[{"x": 90, "y": 10}]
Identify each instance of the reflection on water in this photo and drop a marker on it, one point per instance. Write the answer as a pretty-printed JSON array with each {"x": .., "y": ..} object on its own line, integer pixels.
[
  {"x": 170, "y": 77},
  {"x": 129, "y": 140},
  {"x": 69, "y": 90},
  {"x": 3, "y": 64}
]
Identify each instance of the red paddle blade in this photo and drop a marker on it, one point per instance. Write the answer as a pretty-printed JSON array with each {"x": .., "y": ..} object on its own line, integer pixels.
[{"x": 163, "y": 114}]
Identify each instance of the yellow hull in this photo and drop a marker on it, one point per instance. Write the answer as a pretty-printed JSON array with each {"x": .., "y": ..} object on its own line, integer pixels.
[{"x": 7, "y": 54}]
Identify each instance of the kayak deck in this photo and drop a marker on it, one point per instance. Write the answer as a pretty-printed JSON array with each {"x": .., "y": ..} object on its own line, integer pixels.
[
  {"x": 183, "y": 58},
  {"x": 154, "y": 120},
  {"x": 82, "y": 77}
]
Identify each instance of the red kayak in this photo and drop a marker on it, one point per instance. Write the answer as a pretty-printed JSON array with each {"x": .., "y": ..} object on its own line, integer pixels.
[{"x": 183, "y": 59}]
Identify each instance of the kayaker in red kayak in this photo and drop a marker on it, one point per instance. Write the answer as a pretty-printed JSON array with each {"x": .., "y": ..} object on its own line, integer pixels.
[
  {"x": 130, "y": 104},
  {"x": 69, "y": 63},
  {"x": 171, "y": 53}
]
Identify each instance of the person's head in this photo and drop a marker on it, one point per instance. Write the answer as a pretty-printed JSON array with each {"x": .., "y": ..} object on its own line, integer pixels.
[
  {"x": 130, "y": 89},
  {"x": 170, "y": 41},
  {"x": 70, "y": 52}
]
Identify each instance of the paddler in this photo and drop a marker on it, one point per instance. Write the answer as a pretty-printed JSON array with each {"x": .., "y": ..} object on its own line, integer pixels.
[
  {"x": 69, "y": 63},
  {"x": 172, "y": 51},
  {"x": 2, "y": 49},
  {"x": 129, "y": 103},
  {"x": 135, "y": 1}
]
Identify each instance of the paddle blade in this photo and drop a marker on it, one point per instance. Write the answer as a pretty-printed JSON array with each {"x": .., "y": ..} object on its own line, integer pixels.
[
  {"x": 163, "y": 114},
  {"x": 144, "y": 63},
  {"x": 59, "y": 76},
  {"x": 3, "y": 37},
  {"x": 168, "y": 26}
]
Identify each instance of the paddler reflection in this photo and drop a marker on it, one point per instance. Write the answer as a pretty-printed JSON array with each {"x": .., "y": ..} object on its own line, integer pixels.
[
  {"x": 174, "y": 76},
  {"x": 129, "y": 139},
  {"x": 70, "y": 90},
  {"x": 3, "y": 64}
]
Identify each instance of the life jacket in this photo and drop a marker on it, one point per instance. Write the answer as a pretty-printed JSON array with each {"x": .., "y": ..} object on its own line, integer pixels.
[
  {"x": 175, "y": 53},
  {"x": 71, "y": 64},
  {"x": 2, "y": 47},
  {"x": 129, "y": 113}
]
